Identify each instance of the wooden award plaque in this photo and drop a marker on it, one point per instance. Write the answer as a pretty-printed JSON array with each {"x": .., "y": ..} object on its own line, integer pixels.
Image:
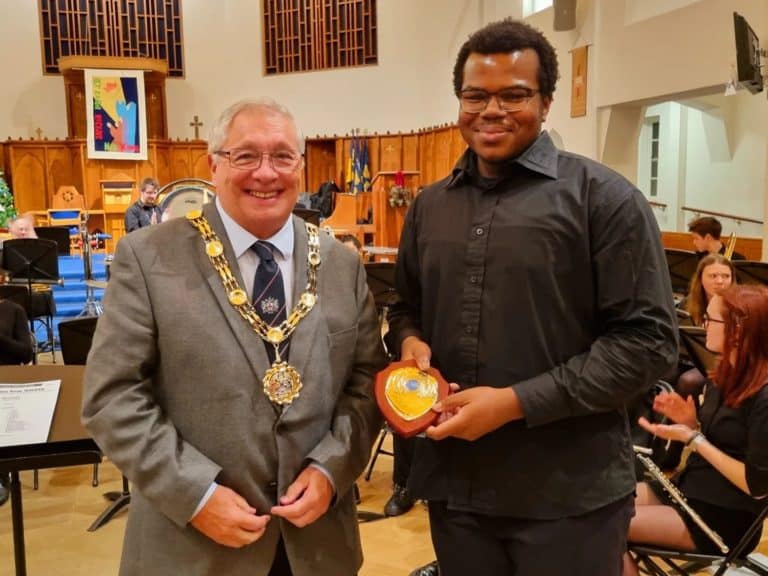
[{"x": 406, "y": 395}]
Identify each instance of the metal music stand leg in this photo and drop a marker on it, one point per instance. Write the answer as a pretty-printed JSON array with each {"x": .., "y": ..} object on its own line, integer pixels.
[
  {"x": 120, "y": 501},
  {"x": 17, "y": 513}
]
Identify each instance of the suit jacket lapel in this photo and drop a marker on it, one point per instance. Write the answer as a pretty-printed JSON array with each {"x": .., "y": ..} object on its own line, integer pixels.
[
  {"x": 304, "y": 336},
  {"x": 250, "y": 342}
]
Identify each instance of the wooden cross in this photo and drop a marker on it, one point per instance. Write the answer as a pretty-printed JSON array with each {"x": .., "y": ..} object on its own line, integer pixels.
[
  {"x": 196, "y": 125},
  {"x": 39, "y": 133}
]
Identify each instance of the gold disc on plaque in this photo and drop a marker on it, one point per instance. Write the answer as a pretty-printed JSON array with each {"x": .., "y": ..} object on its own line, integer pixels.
[
  {"x": 410, "y": 392},
  {"x": 237, "y": 297},
  {"x": 282, "y": 383},
  {"x": 214, "y": 248}
]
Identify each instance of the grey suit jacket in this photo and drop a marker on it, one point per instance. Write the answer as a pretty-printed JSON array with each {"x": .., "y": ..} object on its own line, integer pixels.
[{"x": 173, "y": 397}]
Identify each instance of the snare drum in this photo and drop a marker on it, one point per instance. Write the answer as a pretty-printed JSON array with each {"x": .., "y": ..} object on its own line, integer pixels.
[{"x": 182, "y": 196}]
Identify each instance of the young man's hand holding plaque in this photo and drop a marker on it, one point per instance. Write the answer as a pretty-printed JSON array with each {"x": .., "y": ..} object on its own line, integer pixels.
[{"x": 406, "y": 396}]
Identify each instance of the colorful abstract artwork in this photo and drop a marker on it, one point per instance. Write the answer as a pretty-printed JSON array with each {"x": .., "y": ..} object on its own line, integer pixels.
[{"x": 117, "y": 127}]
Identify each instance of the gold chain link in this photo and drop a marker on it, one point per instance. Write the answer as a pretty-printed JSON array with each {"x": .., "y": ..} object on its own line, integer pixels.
[{"x": 239, "y": 299}]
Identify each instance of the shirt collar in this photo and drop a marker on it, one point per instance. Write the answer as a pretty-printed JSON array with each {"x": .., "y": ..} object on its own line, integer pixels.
[
  {"x": 242, "y": 240},
  {"x": 540, "y": 157}
]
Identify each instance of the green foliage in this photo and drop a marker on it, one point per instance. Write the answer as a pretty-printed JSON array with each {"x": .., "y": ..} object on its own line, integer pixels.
[{"x": 7, "y": 209}]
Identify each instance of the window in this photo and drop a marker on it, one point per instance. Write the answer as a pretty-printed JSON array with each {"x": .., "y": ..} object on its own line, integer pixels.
[
  {"x": 302, "y": 35},
  {"x": 654, "y": 158},
  {"x": 533, "y": 6},
  {"x": 125, "y": 28}
]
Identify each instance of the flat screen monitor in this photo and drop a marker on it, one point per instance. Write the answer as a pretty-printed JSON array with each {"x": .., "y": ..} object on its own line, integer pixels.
[{"x": 747, "y": 55}]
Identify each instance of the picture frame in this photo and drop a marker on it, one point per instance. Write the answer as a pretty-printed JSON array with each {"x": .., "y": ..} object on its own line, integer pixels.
[{"x": 116, "y": 114}]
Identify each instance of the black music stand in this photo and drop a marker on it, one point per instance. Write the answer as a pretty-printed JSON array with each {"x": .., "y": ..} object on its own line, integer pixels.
[
  {"x": 75, "y": 337},
  {"x": 59, "y": 234},
  {"x": 308, "y": 214},
  {"x": 381, "y": 282},
  {"x": 694, "y": 339},
  {"x": 750, "y": 272},
  {"x": 682, "y": 266},
  {"x": 32, "y": 261}
]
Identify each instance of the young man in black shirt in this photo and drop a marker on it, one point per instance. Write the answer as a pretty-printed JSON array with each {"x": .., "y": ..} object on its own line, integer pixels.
[
  {"x": 145, "y": 211},
  {"x": 705, "y": 233},
  {"x": 536, "y": 281}
]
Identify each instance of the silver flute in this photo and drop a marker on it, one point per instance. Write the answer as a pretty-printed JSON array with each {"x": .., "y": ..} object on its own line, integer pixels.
[{"x": 677, "y": 496}]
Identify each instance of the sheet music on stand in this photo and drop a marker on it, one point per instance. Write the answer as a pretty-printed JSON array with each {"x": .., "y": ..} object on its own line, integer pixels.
[{"x": 26, "y": 412}]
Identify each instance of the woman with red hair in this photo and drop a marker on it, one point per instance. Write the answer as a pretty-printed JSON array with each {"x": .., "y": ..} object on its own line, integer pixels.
[{"x": 727, "y": 472}]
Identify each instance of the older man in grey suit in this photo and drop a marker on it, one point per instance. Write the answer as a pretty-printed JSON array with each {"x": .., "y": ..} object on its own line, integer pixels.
[{"x": 242, "y": 428}]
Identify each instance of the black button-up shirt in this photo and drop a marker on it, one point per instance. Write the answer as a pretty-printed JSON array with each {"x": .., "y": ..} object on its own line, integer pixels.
[
  {"x": 550, "y": 279},
  {"x": 139, "y": 215}
]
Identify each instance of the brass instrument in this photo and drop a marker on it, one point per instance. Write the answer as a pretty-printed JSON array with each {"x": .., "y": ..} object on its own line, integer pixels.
[
  {"x": 678, "y": 497},
  {"x": 730, "y": 245}
]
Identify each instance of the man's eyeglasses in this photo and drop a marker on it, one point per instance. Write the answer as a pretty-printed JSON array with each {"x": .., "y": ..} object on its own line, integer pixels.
[
  {"x": 510, "y": 100},
  {"x": 285, "y": 162},
  {"x": 706, "y": 320}
]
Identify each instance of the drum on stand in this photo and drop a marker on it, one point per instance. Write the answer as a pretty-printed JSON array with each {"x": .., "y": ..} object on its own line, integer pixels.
[{"x": 182, "y": 196}]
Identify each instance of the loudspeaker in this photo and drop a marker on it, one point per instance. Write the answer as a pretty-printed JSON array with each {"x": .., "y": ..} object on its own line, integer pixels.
[{"x": 565, "y": 15}]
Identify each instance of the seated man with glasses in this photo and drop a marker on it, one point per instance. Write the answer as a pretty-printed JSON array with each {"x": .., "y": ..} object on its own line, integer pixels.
[
  {"x": 241, "y": 407},
  {"x": 534, "y": 279}
]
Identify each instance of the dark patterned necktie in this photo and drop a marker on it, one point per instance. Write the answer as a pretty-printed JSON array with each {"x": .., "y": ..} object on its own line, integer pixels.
[{"x": 269, "y": 294}]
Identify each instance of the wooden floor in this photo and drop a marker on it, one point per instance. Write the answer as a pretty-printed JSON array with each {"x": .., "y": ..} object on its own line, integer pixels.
[{"x": 58, "y": 513}]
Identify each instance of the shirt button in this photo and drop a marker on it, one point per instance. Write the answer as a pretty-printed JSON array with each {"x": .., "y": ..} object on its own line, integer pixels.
[
  {"x": 479, "y": 231},
  {"x": 468, "y": 329}
]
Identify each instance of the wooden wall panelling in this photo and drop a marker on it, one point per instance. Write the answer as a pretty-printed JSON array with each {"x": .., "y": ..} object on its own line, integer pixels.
[
  {"x": 341, "y": 166},
  {"x": 181, "y": 162},
  {"x": 74, "y": 89},
  {"x": 63, "y": 169},
  {"x": 320, "y": 163},
  {"x": 752, "y": 248},
  {"x": 199, "y": 161},
  {"x": 27, "y": 163},
  {"x": 154, "y": 100},
  {"x": 443, "y": 161},
  {"x": 427, "y": 149},
  {"x": 458, "y": 145},
  {"x": 161, "y": 160},
  {"x": 391, "y": 153},
  {"x": 411, "y": 153}
]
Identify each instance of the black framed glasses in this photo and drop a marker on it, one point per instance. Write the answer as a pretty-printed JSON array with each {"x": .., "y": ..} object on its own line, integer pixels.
[
  {"x": 283, "y": 161},
  {"x": 706, "y": 320},
  {"x": 474, "y": 101}
]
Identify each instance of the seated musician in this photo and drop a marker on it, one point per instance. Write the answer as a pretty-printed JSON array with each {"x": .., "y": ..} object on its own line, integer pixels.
[
  {"x": 41, "y": 302},
  {"x": 727, "y": 471},
  {"x": 713, "y": 274},
  {"x": 22, "y": 227}
]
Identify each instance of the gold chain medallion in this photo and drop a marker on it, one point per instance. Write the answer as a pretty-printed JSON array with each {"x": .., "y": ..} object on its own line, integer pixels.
[{"x": 282, "y": 381}]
